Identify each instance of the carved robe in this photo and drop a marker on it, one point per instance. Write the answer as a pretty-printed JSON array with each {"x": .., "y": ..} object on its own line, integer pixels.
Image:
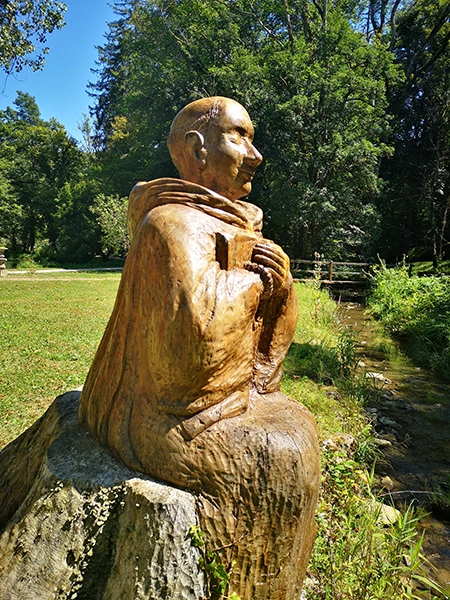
[
  {"x": 185, "y": 383},
  {"x": 186, "y": 336}
]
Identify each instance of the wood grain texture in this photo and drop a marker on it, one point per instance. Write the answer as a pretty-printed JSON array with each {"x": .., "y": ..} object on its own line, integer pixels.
[
  {"x": 187, "y": 339},
  {"x": 185, "y": 383}
]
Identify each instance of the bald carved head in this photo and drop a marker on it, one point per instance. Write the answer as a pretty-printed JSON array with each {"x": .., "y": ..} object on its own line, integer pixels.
[{"x": 211, "y": 143}]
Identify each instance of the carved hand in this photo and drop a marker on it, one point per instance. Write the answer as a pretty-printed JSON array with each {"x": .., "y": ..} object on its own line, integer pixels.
[{"x": 274, "y": 261}]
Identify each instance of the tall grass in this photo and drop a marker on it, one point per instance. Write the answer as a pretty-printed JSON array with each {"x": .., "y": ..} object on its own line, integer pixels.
[{"x": 417, "y": 310}]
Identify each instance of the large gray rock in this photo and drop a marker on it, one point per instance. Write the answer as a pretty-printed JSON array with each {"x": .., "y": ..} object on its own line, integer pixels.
[{"x": 75, "y": 523}]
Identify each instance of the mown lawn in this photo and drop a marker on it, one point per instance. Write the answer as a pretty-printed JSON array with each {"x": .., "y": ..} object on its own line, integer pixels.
[{"x": 50, "y": 328}]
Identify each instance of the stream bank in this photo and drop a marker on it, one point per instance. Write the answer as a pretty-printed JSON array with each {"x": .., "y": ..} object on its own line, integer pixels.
[{"x": 410, "y": 411}]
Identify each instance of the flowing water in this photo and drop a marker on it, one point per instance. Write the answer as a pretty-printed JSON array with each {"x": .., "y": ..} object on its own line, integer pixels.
[{"x": 411, "y": 414}]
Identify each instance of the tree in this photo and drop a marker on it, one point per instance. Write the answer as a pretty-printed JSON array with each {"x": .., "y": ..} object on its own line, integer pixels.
[
  {"x": 313, "y": 84},
  {"x": 78, "y": 233},
  {"x": 416, "y": 205},
  {"x": 11, "y": 215},
  {"x": 111, "y": 215},
  {"x": 24, "y": 27},
  {"x": 38, "y": 158}
]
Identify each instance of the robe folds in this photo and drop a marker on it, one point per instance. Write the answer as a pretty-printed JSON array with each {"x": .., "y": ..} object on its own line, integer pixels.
[{"x": 185, "y": 383}]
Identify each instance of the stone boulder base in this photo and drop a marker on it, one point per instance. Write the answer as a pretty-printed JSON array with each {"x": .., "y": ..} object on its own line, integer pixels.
[{"x": 75, "y": 523}]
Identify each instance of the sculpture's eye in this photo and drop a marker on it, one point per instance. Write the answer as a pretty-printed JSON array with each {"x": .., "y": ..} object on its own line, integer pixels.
[
  {"x": 235, "y": 137},
  {"x": 242, "y": 132}
]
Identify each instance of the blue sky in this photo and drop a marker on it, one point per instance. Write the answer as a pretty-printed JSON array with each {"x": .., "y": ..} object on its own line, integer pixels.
[{"x": 60, "y": 89}]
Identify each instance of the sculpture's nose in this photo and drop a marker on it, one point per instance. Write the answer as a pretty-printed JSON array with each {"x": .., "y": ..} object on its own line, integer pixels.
[{"x": 253, "y": 156}]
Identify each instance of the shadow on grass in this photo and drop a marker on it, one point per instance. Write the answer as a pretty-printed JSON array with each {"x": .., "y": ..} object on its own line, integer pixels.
[{"x": 316, "y": 361}]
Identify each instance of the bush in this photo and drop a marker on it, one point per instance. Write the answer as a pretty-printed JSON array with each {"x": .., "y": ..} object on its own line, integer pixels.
[
  {"x": 416, "y": 309},
  {"x": 45, "y": 254}
]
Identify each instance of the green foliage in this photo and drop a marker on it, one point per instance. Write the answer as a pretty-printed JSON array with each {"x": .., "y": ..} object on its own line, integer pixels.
[
  {"x": 111, "y": 215},
  {"x": 47, "y": 188},
  {"x": 359, "y": 553},
  {"x": 37, "y": 158},
  {"x": 350, "y": 100},
  {"x": 78, "y": 234},
  {"x": 11, "y": 213},
  {"x": 332, "y": 88},
  {"x": 23, "y": 31},
  {"x": 314, "y": 87},
  {"x": 416, "y": 203},
  {"x": 217, "y": 575},
  {"x": 418, "y": 310}
]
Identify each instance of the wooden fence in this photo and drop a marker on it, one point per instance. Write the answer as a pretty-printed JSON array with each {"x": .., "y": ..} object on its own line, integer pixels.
[{"x": 333, "y": 274}]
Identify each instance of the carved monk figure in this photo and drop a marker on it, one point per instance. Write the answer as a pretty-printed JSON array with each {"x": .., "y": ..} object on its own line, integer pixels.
[{"x": 185, "y": 383}]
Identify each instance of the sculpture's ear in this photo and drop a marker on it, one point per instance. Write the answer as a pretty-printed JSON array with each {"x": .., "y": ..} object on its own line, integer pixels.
[{"x": 195, "y": 145}]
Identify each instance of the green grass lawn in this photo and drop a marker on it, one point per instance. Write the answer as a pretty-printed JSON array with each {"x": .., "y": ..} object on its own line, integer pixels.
[{"x": 50, "y": 328}]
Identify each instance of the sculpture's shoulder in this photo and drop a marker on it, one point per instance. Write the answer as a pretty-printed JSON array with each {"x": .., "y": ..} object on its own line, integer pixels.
[
  {"x": 187, "y": 219},
  {"x": 183, "y": 228},
  {"x": 180, "y": 232},
  {"x": 165, "y": 203},
  {"x": 180, "y": 214}
]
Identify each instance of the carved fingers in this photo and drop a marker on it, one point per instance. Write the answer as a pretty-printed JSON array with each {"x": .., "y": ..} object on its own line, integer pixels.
[
  {"x": 272, "y": 265},
  {"x": 266, "y": 277},
  {"x": 274, "y": 259}
]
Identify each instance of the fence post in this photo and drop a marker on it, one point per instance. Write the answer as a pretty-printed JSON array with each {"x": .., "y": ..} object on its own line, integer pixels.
[{"x": 330, "y": 271}]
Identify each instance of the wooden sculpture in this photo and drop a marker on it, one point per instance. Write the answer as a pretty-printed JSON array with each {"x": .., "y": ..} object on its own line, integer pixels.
[{"x": 185, "y": 383}]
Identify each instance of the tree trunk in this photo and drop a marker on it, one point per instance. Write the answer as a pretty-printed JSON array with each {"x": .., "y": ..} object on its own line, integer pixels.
[{"x": 74, "y": 522}]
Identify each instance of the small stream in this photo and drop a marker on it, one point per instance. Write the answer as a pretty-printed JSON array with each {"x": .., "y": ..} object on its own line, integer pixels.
[{"x": 411, "y": 414}]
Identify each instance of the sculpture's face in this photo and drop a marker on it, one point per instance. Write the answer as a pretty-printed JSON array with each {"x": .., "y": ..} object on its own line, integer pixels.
[{"x": 231, "y": 159}]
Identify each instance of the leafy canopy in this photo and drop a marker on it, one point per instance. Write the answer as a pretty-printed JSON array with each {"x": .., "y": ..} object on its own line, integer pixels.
[
  {"x": 313, "y": 83},
  {"x": 24, "y": 26}
]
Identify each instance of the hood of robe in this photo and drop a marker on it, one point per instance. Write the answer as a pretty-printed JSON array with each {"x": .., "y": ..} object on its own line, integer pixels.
[{"x": 147, "y": 195}]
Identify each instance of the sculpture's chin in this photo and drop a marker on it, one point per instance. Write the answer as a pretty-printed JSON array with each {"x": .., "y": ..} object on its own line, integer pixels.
[{"x": 244, "y": 190}]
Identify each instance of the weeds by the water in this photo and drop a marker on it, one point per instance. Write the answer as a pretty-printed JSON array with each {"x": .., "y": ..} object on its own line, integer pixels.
[
  {"x": 217, "y": 575},
  {"x": 441, "y": 497},
  {"x": 358, "y": 555},
  {"x": 364, "y": 549},
  {"x": 418, "y": 310}
]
